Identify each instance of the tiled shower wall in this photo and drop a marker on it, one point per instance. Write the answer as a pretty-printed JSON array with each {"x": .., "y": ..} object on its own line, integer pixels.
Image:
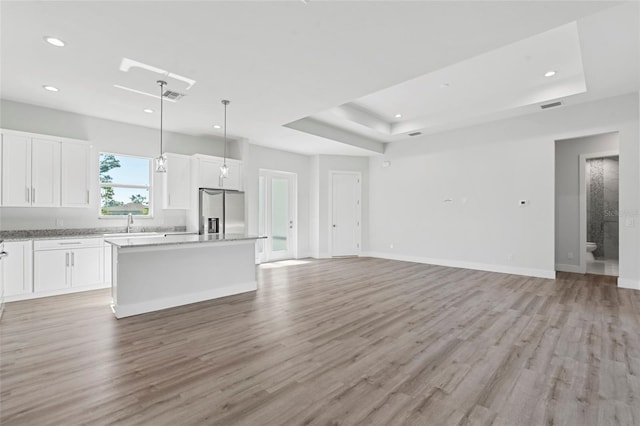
[{"x": 602, "y": 205}]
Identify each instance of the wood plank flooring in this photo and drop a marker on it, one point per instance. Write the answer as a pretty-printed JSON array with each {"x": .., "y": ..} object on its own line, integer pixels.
[{"x": 340, "y": 342}]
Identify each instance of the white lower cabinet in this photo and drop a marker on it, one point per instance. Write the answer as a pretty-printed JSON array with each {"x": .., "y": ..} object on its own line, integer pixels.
[
  {"x": 63, "y": 264},
  {"x": 16, "y": 270},
  {"x": 51, "y": 270}
]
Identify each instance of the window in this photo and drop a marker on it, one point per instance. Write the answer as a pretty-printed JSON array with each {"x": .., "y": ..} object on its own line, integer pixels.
[{"x": 125, "y": 185}]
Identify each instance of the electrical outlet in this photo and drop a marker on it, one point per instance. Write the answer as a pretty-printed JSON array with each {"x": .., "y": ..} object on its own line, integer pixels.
[
  {"x": 59, "y": 223},
  {"x": 570, "y": 255},
  {"x": 510, "y": 256}
]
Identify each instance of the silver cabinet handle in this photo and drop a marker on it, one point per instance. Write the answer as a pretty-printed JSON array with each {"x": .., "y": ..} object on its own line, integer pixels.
[
  {"x": 26, "y": 194},
  {"x": 66, "y": 259},
  {"x": 73, "y": 259},
  {"x": 87, "y": 196},
  {"x": 169, "y": 199},
  {"x": 33, "y": 195}
]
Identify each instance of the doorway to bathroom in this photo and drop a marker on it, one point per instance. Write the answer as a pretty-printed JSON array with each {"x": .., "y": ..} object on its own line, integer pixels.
[
  {"x": 586, "y": 204},
  {"x": 599, "y": 207}
]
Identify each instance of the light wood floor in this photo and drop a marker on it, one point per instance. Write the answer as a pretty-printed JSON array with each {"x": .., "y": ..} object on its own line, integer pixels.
[{"x": 348, "y": 341}]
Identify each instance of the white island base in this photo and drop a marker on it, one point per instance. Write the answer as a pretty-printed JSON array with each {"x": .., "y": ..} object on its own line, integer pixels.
[{"x": 170, "y": 272}]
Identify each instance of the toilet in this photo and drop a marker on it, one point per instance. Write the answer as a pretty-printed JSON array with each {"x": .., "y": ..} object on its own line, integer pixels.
[{"x": 591, "y": 247}]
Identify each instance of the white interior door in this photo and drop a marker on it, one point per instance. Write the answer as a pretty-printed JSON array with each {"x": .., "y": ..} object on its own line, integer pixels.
[
  {"x": 345, "y": 213},
  {"x": 277, "y": 221}
]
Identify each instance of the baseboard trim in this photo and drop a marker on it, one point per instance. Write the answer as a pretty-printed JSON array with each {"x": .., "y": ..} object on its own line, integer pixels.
[
  {"x": 563, "y": 267},
  {"x": 514, "y": 270},
  {"x": 122, "y": 311},
  {"x": 627, "y": 283},
  {"x": 59, "y": 292}
]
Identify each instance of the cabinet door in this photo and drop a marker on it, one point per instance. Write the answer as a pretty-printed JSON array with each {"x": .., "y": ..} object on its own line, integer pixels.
[
  {"x": 177, "y": 182},
  {"x": 86, "y": 266},
  {"x": 75, "y": 174},
  {"x": 16, "y": 170},
  {"x": 209, "y": 173},
  {"x": 234, "y": 180},
  {"x": 17, "y": 268},
  {"x": 45, "y": 173},
  {"x": 50, "y": 270}
]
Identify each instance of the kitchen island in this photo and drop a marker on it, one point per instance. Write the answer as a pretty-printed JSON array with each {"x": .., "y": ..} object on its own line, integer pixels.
[{"x": 160, "y": 272}]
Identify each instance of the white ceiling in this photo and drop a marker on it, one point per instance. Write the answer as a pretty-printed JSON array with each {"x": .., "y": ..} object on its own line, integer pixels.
[{"x": 335, "y": 71}]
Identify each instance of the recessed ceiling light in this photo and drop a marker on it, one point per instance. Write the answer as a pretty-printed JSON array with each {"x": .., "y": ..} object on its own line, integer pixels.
[
  {"x": 50, "y": 88},
  {"x": 549, "y": 73},
  {"x": 54, "y": 41},
  {"x": 398, "y": 116},
  {"x": 217, "y": 126},
  {"x": 148, "y": 110}
]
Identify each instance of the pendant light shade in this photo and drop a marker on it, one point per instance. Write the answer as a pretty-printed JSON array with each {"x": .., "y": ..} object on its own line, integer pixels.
[
  {"x": 161, "y": 160},
  {"x": 224, "y": 170}
]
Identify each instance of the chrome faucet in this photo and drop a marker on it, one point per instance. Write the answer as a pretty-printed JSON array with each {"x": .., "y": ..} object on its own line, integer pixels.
[{"x": 129, "y": 222}]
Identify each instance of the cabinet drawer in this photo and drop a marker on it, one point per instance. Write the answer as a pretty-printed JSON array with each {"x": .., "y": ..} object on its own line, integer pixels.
[{"x": 70, "y": 243}]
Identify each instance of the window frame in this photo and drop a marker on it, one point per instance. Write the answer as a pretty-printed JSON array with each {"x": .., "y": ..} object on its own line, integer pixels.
[{"x": 122, "y": 185}]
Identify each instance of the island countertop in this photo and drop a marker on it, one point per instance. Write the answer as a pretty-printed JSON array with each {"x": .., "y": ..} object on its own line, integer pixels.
[{"x": 162, "y": 240}]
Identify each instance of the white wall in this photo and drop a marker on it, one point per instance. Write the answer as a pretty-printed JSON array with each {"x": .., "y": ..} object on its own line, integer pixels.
[
  {"x": 104, "y": 136},
  {"x": 324, "y": 164},
  {"x": 485, "y": 170},
  {"x": 567, "y": 169}
]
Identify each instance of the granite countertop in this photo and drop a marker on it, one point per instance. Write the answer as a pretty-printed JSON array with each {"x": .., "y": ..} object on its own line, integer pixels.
[
  {"x": 163, "y": 240},
  {"x": 59, "y": 234}
]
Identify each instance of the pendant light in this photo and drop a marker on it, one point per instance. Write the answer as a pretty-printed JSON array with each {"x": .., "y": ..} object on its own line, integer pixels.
[
  {"x": 224, "y": 170},
  {"x": 161, "y": 161}
]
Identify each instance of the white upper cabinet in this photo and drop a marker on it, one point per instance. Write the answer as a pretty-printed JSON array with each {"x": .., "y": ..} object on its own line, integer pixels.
[
  {"x": 42, "y": 171},
  {"x": 234, "y": 180},
  {"x": 30, "y": 171},
  {"x": 75, "y": 174},
  {"x": 45, "y": 173},
  {"x": 177, "y": 182},
  {"x": 16, "y": 170},
  {"x": 208, "y": 172}
]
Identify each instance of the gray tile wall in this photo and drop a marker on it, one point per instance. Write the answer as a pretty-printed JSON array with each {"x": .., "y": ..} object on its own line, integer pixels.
[{"x": 602, "y": 206}]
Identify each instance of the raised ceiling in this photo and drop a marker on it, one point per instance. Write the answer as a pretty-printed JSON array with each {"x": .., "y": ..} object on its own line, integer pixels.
[{"x": 323, "y": 77}]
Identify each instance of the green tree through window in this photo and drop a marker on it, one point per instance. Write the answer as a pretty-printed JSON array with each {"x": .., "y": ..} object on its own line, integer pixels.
[{"x": 125, "y": 185}]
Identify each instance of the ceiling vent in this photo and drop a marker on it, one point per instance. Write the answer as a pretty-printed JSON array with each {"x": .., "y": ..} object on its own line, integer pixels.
[
  {"x": 551, "y": 105},
  {"x": 171, "y": 95},
  {"x": 415, "y": 134}
]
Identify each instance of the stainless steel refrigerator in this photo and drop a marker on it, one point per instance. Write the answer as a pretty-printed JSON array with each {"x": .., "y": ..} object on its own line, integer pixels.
[{"x": 221, "y": 211}]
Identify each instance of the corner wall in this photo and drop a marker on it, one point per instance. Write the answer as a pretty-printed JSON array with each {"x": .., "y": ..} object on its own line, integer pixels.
[{"x": 453, "y": 198}]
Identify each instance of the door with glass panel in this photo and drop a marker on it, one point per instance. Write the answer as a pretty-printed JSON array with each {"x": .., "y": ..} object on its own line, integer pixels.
[{"x": 277, "y": 215}]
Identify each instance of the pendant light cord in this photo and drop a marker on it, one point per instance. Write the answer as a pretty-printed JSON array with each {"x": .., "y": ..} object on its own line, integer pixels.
[
  {"x": 161, "y": 83},
  {"x": 225, "y": 103}
]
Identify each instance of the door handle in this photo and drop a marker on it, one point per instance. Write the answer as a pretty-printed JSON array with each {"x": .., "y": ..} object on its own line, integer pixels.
[
  {"x": 33, "y": 195},
  {"x": 73, "y": 259},
  {"x": 334, "y": 225},
  {"x": 66, "y": 259},
  {"x": 26, "y": 194}
]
